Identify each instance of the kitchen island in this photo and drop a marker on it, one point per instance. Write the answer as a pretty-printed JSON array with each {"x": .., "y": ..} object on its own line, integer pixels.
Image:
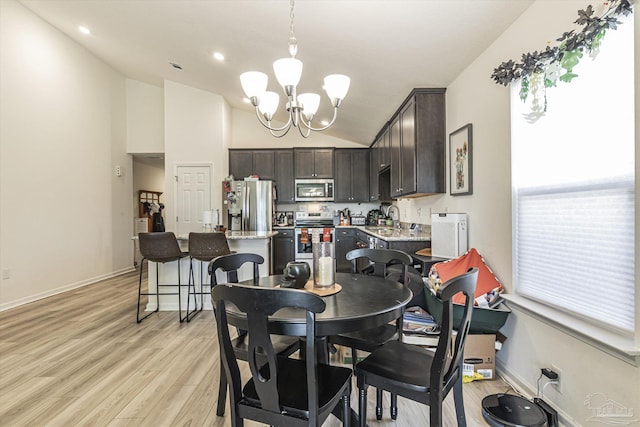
[{"x": 257, "y": 242}]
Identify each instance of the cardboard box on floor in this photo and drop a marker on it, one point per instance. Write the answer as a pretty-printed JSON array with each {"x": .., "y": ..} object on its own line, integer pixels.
[
  {"x": 480, "y": 356},
  {"x": 345, "y": 355}
]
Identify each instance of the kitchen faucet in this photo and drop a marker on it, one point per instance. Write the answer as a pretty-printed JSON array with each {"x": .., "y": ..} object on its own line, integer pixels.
[{"x": 396, "y": 222}]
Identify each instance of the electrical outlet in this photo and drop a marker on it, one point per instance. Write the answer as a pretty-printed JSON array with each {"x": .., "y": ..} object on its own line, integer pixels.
[
  {"x": 6, "y": 274},
  {"x": 560, "y": 379},
  {"x": 419, "y": 211}
]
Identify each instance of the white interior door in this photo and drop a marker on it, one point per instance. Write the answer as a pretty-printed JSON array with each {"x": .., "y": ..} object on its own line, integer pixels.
[{"x": 193, "y": 190}]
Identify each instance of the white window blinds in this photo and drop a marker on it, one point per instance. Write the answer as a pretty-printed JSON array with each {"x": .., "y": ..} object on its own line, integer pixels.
[{"x": 574, "y": 193}]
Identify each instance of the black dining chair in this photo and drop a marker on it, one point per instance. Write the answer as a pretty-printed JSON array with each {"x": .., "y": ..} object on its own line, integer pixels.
[
  {"x": 283, "y": 391},
  {"x": 417, "y": 373},
  {"x": 161, "y": 248},
  {"x": 283, "y": 345},
  {"x": 203, "y": 247},
  {"x": 379, "y": 263}
]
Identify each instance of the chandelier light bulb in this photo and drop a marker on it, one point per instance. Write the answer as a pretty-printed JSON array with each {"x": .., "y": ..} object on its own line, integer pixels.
[
  {"x": 310, "y": 103},
  {"x": 288, "y": 71},
  {"x": 269, "y": 104},
  {"x": 254, "y": 84},
  {"x": 336, "y": 86}
]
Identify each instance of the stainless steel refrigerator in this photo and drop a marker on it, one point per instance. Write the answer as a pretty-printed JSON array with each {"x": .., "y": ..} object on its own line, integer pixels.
[{"x": 248, "y": 205}]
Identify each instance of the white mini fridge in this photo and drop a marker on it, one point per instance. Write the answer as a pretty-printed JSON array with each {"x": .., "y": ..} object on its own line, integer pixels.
[{"x": 448, "y": 235}]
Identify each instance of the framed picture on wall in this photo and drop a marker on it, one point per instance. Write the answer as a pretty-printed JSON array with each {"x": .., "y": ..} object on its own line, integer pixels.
[{"x": 460, "y": 155}]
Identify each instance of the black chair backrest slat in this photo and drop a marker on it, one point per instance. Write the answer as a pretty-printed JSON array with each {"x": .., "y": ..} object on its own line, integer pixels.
[
  {"x": 258, "y": 304},
  {"x": 445, "y": 370},
  {"x": 380, "y": 260},
  {"x": 231, "y": 263}
]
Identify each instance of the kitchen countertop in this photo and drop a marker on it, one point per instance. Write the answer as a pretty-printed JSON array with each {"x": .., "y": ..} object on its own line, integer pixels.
[
  {"x": 250, "y": 235},
  {"x": 241, "y": 235},
  {"x": 387, "y": 233},
  {"x": 390, "y": 234}
]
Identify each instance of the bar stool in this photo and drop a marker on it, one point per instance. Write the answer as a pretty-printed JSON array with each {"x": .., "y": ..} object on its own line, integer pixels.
[
  {"x": 161, "y": 248},
  {"x": 203, "y": 247}
]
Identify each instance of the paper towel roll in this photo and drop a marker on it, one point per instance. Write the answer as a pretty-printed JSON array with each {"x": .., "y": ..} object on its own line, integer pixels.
[{"x": 206, "y": 217}]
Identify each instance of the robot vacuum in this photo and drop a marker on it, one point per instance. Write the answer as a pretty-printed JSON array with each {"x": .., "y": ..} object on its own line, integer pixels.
[{"x": 506, "y": 410}]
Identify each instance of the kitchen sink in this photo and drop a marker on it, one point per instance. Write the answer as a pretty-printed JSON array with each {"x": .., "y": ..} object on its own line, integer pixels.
[{"x": 381, "y": 230}]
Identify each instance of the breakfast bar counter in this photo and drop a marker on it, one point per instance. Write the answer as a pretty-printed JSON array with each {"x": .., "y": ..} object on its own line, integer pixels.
[{"x": 257, "y": 242}]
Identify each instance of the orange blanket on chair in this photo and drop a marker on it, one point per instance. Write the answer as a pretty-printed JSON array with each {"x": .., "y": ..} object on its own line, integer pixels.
[{"x": 487, "y": 281}]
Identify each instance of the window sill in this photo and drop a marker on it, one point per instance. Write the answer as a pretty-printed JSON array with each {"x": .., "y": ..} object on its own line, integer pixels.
[{"x": 624, "y": 348}]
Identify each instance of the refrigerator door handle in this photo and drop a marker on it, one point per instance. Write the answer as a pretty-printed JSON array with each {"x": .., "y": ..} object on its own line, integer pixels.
[{"x": 246, "y": 211}]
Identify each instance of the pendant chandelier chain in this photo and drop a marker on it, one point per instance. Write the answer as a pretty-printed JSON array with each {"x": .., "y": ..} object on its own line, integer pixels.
[
  {"x": 293, "y": 42},
  {"x": 301, "y": 108}
]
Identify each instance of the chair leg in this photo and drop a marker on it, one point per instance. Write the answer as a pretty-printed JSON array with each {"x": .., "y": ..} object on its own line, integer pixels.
[
  {"x": 435, "y": 408},
  {"x": 378, "y": 404},
  {"x": 201, "y": 286},
  {"x": 138, "y": 318},
  {"x": 459, "y": 403},
  {"x": 222, "y": 393},
  {"x": 394, "y": 406},
  {"x": 182, "y": 319},
  {"x": 192, "y": 285},
  {"x": 346, "y": 409},
  {"x": 362, "y": 405}
]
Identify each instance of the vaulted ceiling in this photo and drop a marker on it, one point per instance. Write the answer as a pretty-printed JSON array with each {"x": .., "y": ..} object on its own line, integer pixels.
[{"x": 387, "y": 47}]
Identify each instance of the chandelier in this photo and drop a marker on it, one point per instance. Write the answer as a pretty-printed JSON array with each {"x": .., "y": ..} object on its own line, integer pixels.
[{"x": 301, "y": 108}]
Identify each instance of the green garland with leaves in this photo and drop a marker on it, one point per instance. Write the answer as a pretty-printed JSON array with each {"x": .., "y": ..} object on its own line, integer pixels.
[{"x": 544, "y": 68}]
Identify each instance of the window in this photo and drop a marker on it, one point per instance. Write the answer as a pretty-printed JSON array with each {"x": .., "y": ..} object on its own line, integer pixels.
[{"x": 574, "y": 193}]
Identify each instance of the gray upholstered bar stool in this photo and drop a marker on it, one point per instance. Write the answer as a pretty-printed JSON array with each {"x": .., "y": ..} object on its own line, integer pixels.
[
  {"x": 161, "y": 248},
  {"x": 203, "y": 247}
]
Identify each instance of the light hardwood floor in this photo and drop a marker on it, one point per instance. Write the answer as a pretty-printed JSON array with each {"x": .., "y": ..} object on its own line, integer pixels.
[{"x": 79, "y": 358}]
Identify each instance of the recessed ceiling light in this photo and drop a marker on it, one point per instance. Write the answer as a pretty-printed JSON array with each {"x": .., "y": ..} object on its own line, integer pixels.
[
  {"x": 175, "y": 65},
  {"x": 246, "y": 100},
  {"x": 218, "y": 56},
  {"x": 324, "y": 122},
  {"x": 84, "y": 30}
]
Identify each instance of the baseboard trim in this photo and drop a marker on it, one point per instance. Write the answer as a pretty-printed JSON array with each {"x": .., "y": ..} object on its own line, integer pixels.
[{"x": 69, "y": 287}]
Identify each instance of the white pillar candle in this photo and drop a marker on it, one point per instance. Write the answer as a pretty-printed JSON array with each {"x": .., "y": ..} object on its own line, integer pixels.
[{"x": 325, "y": 266}]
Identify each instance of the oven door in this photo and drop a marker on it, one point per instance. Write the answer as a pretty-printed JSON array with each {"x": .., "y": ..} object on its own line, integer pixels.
[
  {"x": 304, "y": 238},
  {"x": 303, "y": 243}
]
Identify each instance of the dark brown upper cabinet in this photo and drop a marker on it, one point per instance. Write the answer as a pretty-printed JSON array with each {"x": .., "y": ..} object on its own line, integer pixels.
[
  {"x": 351, "y": 175},
  {"x": 285, "y": 190},
  {"x": 417, "y": 145},
  {"x": 313, "y": 162},
  {"x": 243, "y": 163}
]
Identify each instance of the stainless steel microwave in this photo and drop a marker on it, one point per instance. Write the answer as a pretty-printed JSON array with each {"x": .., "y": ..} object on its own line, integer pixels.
[{"x": 314, "y": 190}]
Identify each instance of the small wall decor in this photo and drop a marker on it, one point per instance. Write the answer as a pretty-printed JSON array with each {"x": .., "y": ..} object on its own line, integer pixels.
[
  {"x": 460, "y": 162},
  {"x": 541, "y": 70}
]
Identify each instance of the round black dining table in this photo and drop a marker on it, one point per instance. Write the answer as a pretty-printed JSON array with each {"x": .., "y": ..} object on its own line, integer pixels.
[{"x": 364, "y": 302}]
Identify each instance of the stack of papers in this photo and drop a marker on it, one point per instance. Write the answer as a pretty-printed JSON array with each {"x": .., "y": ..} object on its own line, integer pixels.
[{"x": 419, "y": 327}]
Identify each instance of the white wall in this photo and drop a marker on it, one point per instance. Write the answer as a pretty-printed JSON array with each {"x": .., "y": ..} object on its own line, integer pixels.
[
  {"x": 145, "y": 117},
  {"x": 474, "y": 98},
  {"x": 61, "y": 202},
  {"x": 196, "y": 131},
  {"x": 65, "y": 217},
  {"x": 247, "y": 132}
]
